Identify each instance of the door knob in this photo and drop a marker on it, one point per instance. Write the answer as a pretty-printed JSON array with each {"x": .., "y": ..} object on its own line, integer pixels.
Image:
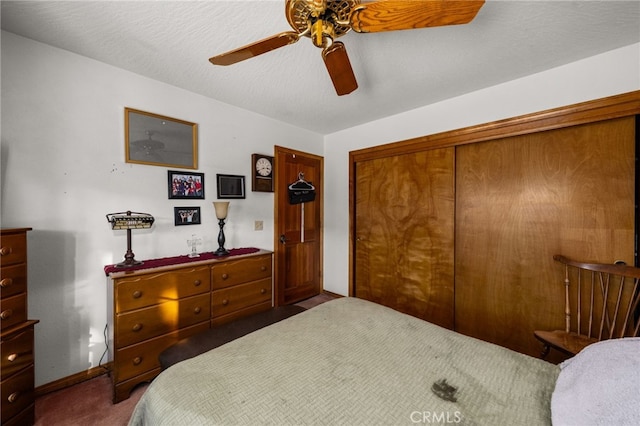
[{"x": 283, "y": 239}]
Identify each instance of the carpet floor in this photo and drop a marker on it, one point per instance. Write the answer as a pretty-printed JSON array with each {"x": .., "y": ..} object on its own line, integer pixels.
[{"x": 87, "y": 403}]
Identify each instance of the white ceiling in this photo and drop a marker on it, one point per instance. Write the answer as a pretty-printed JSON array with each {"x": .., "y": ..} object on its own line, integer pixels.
[{"x": 171, "y": 41}]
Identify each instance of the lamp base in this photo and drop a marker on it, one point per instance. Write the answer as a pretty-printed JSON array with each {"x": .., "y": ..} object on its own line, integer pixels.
[
  {"x": 221, "y": 252},
  {"x": 129, "y": 257},
  {"x": 129, "y": 263}
]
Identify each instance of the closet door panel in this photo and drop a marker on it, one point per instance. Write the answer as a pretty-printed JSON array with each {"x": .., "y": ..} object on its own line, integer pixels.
[
  {"x": 404, "y": 217},
  {"x": 523, "y": 199}
]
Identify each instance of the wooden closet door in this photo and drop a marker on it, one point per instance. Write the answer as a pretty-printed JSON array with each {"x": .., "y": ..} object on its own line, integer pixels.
[
  {"x": 404, "y": 216},
  {"x": 523, "y": 199}
]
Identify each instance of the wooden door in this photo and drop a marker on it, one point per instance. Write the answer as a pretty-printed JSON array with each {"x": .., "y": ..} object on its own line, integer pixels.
[
  {"x": 298, "y": 231},
  {"x": 404, "y": 216},
  {"x": 519, "y": 201}
]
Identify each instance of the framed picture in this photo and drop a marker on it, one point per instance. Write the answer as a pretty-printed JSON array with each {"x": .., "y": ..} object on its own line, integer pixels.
[
  {"x": 186, "y": 185},
  {"x": 158, "y": 140},
  {"x": 186, "y": 216},
  {"x": 230, "y": 186}
]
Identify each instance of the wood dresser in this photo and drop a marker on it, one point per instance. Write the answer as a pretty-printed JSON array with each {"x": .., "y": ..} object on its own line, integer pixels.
[
  {"x": 16, "y": 335},
  {"x": 152, "y": 307}
]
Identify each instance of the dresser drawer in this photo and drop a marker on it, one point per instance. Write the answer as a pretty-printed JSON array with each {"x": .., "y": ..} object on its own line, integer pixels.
[
  {"x": 236, "y": 298},
  {"x": 142, "y": 357},
  {"x": 26, "y": 417},
  {"x": 136, "y": 326},
  {"x": 13, "y": 249},
  {"x": 240, "y": 271},
  {"x": 152, "y": 289},
  {"x": 13, "y": 311},
  {"x": 16, "y": 352},
  {"x": 13, "y": 280},
  {"x": 17, "y": 393}
]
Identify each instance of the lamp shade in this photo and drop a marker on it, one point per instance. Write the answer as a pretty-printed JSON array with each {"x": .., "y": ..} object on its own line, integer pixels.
[{"x": 221, "y": 209}]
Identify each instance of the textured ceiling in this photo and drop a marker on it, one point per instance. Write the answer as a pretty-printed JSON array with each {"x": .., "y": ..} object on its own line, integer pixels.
[{"x": 171, "y": 41}]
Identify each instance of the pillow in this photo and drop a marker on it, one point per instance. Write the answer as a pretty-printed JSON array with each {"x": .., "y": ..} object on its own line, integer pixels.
[{"x": 599, "y": 386}]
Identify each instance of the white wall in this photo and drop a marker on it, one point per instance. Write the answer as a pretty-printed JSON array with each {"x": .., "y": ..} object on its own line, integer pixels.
[
  {"x": 63, "y": 170},
  {"x": 611, "y": 73}
]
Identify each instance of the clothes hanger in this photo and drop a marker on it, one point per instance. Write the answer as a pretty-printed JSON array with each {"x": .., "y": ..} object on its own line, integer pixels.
[{"x": 301, "y": 184}]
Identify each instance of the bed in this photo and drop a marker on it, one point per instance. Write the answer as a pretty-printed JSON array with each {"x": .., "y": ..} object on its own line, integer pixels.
[{"x": 350, "y": 362}]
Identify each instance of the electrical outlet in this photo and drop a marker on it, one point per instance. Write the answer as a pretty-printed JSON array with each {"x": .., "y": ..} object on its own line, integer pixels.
[{"x": 259, "y": 225}]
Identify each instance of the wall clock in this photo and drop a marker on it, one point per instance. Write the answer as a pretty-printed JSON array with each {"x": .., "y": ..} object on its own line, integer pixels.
[{"x": 262, "y": 166}]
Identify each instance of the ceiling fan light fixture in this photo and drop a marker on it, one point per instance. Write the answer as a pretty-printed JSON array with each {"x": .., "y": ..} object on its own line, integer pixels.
[
  {"x": 321, "y": 31},
  {"x": 317, "y": 7},
  {"x": 326, "y": 20},
  {"x": 148, "y": 145},
  {"x": 301, "y": 13}
]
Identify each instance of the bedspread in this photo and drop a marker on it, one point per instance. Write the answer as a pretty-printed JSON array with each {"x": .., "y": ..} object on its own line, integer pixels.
[{"x": 351, "y": 362}]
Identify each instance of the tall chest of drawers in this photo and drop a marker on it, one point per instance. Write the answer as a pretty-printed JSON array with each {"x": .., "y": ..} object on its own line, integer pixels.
[
  {"x": 151, "y": 309},
  {"x": 16, "y": 331}
]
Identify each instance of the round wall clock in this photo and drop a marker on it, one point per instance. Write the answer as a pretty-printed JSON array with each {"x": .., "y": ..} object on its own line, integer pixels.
[{"x": 262, "y": 173}]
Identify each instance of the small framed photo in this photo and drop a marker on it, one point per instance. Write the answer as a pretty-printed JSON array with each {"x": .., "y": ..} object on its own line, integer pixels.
[
  {"x": 186, "y": 185},
  {"x": 186, "y": 216},
  {"x": 230, "y": 186}
]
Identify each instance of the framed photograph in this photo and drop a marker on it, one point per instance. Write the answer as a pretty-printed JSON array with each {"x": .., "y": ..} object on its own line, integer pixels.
[
  {"x": 230, "y": 186},
  {"x": 186, "y": 185},
  {"x": 158, "y": 140},
  {"x": 186, "y": 216}
]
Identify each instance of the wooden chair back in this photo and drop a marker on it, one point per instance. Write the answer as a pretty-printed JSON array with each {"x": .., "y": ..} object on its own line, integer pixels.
[{"x": 601, "y": 302}]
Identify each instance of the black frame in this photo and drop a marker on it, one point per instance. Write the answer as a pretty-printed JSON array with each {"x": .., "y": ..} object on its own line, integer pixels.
[
  {"x": 173, "y": 174},
  {"x": 230, "y": 186},
  {"x": 178, "y": 219}
]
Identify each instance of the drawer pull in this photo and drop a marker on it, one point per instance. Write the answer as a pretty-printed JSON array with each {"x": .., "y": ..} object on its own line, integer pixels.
[
  {"x": 137, "y": 327},
  {"x": 197, "y": 310},
  {"x": 5, "y": 251},
  {"x": 263, "y": 291},
  {"x": 12, "y": 357},
  {"x": 13, "y": 397},
  {"x": 263, "y": 268},
  {"x": 225, "y": 276},
  {"x": 225, "y": 302},
  {"x": 6, "y": 282},
  {"x": 197, "y": 283},
  {"x": 137, "y": 294},
  {"x": 137, "y": 360},
  {"x": 6, "y": 314}
]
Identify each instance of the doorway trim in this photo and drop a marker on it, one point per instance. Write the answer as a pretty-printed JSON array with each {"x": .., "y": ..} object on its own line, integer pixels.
[{"x": 278, "y": 250}]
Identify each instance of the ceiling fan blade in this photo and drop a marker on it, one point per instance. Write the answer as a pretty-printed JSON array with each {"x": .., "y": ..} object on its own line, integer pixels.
[
  {"x": 339, "y": 67},
  {"x": 392, "y": 15},
  {"x": 254, "y": 49}
]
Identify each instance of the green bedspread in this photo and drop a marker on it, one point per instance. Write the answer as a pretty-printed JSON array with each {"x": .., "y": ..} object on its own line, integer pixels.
[{"x": 351, "y": 362}]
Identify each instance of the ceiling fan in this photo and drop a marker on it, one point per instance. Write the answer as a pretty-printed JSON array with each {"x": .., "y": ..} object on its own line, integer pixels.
[{"x": 325, "y": 20}]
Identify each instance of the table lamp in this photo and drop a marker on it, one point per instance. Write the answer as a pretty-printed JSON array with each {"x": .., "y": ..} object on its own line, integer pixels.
[
  {"x": 222, "y": 208},
  {"x": 129, "y": 220}
]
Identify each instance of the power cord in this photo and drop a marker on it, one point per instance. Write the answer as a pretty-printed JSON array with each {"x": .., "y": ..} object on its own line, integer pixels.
[{"x": 106, "y": 350}]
